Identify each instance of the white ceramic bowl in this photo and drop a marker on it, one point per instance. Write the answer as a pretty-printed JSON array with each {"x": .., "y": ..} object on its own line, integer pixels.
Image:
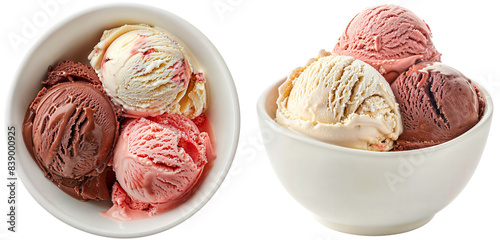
[
  {"x": 370, "y": 193},
  {"x": 74, "y": 39}
]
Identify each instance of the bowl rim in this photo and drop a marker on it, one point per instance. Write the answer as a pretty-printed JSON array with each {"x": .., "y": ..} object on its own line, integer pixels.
[
  {"x": 272, "y": 124},
  {"x": 222, "y": 174}
]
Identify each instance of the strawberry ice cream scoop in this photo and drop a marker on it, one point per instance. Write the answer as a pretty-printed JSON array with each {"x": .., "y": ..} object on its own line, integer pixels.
[
  {"x": 388, "y": 37},
  {"x": 157, "y": 161}
]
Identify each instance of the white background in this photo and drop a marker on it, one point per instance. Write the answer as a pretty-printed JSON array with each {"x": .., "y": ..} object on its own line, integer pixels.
[{"x": 261, "y": 41}]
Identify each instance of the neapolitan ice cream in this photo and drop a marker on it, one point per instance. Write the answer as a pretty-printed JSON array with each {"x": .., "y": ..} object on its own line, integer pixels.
[{"x": 132, "y": 126}]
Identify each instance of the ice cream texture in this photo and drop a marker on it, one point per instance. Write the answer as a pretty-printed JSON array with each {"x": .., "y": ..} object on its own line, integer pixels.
[
  {"x": 148, "y": 72},
  {"x": 437, "y": 103},
  {"x": 157, "y": 161},
  {"x": 70, "y": 130},
  {"x": 340, "y": 100},
  {"x": 388, "y": 37}
]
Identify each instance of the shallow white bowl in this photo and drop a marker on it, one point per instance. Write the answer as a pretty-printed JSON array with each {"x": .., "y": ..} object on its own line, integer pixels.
[
  {"x": 370, "y": 193},
  {"x": 74, "y": 39}
]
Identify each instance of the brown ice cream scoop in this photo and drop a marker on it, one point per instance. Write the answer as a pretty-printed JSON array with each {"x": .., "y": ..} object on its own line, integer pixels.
[
  {"x": 71, "y": 71},
  {"x": 437, "y": 104},
  {"x": 71, "y": 128}
]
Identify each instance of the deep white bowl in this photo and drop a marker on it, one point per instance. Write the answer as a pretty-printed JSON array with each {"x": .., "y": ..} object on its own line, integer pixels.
[
  {"x": 370, "y": 193},
  {"x": 74, "y": 39}
]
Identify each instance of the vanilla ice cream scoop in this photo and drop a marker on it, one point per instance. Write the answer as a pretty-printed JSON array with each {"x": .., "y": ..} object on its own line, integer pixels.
[
  {"x": 340, "y": 100},
  {"x": 148, "y": 72}
]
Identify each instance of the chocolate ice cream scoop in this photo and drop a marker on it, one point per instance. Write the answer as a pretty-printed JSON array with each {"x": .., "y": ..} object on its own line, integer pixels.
[
  {"x": 71, "y": 128},
  {"x": 71, "y": 71},
  {"x": 437, "y": 104}
]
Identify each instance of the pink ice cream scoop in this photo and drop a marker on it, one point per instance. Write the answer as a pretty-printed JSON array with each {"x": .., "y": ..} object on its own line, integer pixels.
[
  {"x": 157, "y": 161},
  {"x": 388, "y": 37}
]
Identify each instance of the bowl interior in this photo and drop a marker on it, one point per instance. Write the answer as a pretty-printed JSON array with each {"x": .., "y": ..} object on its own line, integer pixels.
[{"x": 74, "y": 39}]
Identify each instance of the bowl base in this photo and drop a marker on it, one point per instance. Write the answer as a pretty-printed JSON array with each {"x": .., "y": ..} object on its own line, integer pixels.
[{"x": 374, "y": 231}]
